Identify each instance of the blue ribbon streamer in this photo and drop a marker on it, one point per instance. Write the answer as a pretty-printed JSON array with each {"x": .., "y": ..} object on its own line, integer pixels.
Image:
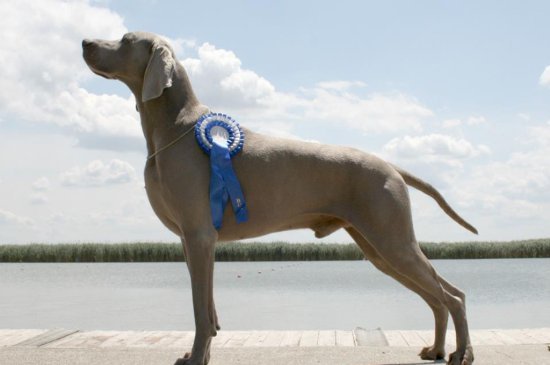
[{"x": 224, "y": 185}]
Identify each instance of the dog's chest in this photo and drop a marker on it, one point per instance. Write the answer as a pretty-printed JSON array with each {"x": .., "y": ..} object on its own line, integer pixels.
[{"x": 160, "y": 200}]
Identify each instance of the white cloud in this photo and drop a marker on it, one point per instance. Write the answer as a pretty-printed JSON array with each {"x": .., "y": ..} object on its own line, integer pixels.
[
  {"x": 472, "y": 120},
  {"x": 524, "y": 116},
  {"x": 518, "y": 187},
  {"x": 38, "y": 199},
  {"x": 475, "y": 120},
  {"x": 41, "y": 184},
  {"x": 372, "y": 113},
  {"x": 131, "y": 214},
  {"x": 340, "y": 85},
  {"x": 221, "y": 82},
  {"x": 97, "y": 173},
  {"x": 524, "y": 174},
  {"x": 540, "y": 135},
  {"x": 544, "y": 78},
  {"x": 219, "y": 78},
  {"x": 7, "y": 217},
  {"x": 102, "y": 121},
  {"x": 451, "y": 123},
  {"x": 433, "y": 148},
  {"x": 43, "y": 68}
]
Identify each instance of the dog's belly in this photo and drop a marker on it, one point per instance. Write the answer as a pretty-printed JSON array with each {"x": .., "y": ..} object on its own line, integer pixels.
[{"x": 322, "y": 225}]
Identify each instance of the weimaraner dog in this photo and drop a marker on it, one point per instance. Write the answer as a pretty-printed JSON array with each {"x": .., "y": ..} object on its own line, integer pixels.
[{"x": 288, "y": 185}]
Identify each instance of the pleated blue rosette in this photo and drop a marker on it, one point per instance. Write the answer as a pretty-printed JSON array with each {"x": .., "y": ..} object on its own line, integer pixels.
[{"x": 221, "y": 138}]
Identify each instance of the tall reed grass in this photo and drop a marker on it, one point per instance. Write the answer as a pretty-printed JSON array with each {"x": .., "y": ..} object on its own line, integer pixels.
[
  {"x": 275, "y": 251},
  {"x": 539, "y": 248}
]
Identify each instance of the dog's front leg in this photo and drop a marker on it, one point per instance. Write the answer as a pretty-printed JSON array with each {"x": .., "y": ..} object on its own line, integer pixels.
[{"x": 199, "y": 252}]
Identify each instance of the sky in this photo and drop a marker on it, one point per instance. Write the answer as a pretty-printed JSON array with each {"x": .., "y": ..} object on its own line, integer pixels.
[{"x": 457, "y": 93}]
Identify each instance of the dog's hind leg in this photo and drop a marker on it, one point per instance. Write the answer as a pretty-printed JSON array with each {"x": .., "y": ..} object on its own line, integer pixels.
[
  {"x": 440, "y": 312},
  {"x": 412, "y": 263},
  {"x": 388, "y": 227},
  {"x": 199, "y": 254},
  {"x": 409, "y": 261}
]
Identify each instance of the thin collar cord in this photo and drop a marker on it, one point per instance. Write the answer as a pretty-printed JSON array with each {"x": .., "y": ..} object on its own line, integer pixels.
[{"x": 170, "y": 144}]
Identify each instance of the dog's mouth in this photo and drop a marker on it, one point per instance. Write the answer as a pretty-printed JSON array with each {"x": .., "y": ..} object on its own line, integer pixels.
[
  {"x": 95, "y": 69},
  {"x": 102, "y": 74}
]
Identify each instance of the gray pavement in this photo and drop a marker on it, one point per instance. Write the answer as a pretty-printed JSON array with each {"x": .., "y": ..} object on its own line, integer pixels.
[{"x": 485, "y": 355}]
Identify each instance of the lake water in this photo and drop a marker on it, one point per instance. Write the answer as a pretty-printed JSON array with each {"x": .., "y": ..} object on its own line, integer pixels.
[{"x": 265, "y": 295}]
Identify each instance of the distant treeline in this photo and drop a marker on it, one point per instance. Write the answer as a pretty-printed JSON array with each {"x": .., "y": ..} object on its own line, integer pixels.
[{"x": 275, "y": 251}]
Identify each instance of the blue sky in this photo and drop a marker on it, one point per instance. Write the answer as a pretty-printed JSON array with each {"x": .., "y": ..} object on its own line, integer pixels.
[{"x": 456, "y": 92}]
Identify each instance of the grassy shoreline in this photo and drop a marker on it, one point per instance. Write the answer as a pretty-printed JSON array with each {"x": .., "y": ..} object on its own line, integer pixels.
[{"x": 274, "y": 251}]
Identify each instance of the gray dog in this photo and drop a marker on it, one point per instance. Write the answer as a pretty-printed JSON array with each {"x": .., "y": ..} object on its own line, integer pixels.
[{"x": 288, "y": 185}]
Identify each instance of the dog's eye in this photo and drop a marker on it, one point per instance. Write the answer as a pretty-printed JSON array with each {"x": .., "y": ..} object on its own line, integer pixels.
[{"x": 126, "y": 39}]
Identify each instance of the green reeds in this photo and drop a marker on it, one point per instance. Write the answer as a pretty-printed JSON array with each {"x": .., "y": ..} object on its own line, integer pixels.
[
  {"x": 274, "y": 251},
  {"x": 283, "y": 251},
  {"x": 539, "y": 248},
  {"x": 92, "y": 252}
]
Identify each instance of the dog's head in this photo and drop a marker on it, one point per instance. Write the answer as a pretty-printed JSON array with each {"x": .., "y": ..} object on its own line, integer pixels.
[{"x": 143, "y": 61}]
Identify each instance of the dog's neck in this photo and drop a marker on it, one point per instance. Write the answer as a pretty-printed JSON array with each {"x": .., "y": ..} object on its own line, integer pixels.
[{"x": 172, "y": 113}]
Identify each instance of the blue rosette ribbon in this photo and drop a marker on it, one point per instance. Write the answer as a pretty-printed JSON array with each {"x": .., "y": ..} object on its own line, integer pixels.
[{"x": 221, "y": 138}]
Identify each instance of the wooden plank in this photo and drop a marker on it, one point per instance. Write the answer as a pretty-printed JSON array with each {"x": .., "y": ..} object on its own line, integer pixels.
[
  {"x": 412, "y": 338},
  {"x": 168, "y": 339},
  {"x": 422, "y": 342},
  {"x": 505, "y": 338},
  {"x": 291, "y": 339},
  {"x": 485, "y": 337},
  {"x": 326, "y": 338},
  {"x": 221, "y": 338},
  {"x": 11, "y": 337},
  {"x": 427, "y": 336},
  {"x": 46, "y": 337},
  {"x": 134, "y": 338},
  {"x": 520, "y": 336},
  {"x": 119, "y": 339},
  {"x": 309, "y": 338},
  {"x": 541, "y": 335},
  {"x": 147, "y": 339},
  {"x": 345, "y": 339},
  {"x": 238, "y": 339},
  {"x": 369, "y": 337},
  {"x": 90, "y": 339},
  {"x": 394, "y": 338},
  {"x": 256, "y": 339},
  {"x": 184, "y": 340},
  {"x": 69, "y": 342},
  {"x": 273, "y": 339},
  {"x": 122, "y": 339},
  {"x": 74, "y": 341}
]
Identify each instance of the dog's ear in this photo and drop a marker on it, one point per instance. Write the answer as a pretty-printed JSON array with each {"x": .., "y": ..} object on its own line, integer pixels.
[{"x": 158, "y": 74}]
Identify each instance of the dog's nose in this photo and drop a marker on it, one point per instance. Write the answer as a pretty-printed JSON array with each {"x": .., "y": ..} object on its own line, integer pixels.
[{"x": 87, "y": 43}]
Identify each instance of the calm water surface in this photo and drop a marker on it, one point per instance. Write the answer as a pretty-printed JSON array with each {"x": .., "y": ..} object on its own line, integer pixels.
[{"x": 265, "y": 295}]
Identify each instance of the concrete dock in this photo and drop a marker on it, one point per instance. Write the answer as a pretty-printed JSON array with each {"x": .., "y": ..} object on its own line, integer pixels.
[{"x": 358, "y": 347}]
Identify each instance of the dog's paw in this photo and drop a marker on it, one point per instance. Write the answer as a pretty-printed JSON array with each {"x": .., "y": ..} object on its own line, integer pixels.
[
  {"x": 188, "y": 360},
  {"x": 462, "y": 358},
  {"x": 431, "y": 353},
  {"x": 185, "y": 360}
]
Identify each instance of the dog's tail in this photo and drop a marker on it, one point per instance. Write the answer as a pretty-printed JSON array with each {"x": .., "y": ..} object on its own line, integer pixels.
[{"x": 426, "y": 188}]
